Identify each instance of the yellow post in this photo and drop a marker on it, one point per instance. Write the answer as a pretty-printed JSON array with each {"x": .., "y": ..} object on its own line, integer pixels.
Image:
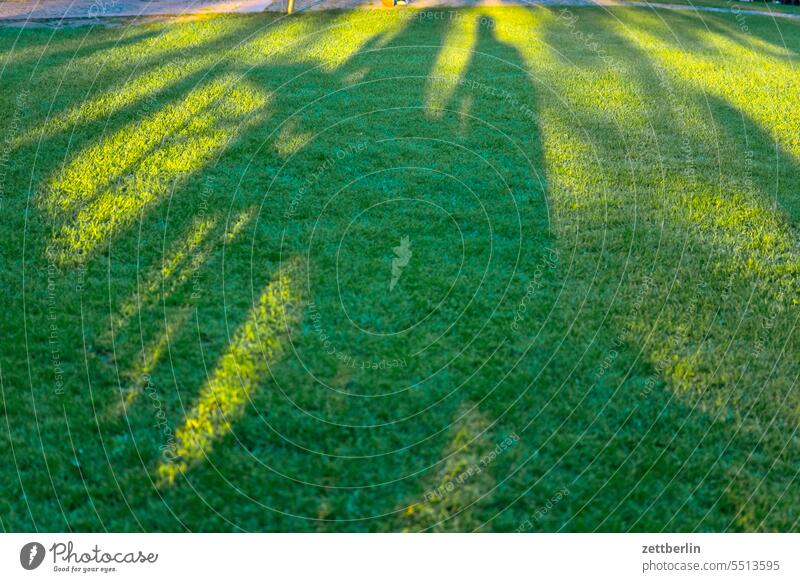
[{"x": 290, "y": 7}]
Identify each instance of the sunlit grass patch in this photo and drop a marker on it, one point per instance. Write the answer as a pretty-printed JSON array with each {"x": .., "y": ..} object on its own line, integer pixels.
[
  {"x": 757, "y": 83},
  {"x": 326, "y": 42},
  {"x": 460, "y": 479},
  {"x": 241, "y": 370},
  {"x": 452, "y": 61},
  {"x": 140, "y": 89},
  {"x": 106, "y": 186}
]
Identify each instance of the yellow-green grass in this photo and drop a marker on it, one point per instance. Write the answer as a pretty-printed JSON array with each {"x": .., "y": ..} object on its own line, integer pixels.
[
  {"x": 595, "y": 329},
  {"x": 735, "y": 6}
]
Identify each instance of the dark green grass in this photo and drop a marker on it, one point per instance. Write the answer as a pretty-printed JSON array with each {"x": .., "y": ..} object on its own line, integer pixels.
[{"x": 602, "y": 288}]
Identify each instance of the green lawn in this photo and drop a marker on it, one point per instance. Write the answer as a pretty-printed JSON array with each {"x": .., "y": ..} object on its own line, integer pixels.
[
  {"x": 496, "y": 269},
  {"x": 732, "y": 5}
]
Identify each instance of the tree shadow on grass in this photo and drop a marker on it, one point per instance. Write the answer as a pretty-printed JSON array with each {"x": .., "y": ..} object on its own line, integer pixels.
[
  {"x": 365, "y": 476},
  {"x": 759, "y": 35},
  {"x": 103, "y": 363},
  {"x": 51, "y": 51},
  {"x": 348, "y": 447},
  {"x": 597, "y": 436},
  {"x": 751, "y": 223},
  {"x": 472, "y": 101},
  {"x": 683, "y": 332},
  {"x": 233, "y": 158}
]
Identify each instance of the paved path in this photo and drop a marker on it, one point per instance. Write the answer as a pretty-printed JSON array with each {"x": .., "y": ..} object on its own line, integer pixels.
[
  {"x": 70, "y": 9},
  {"x": 22, "y": 10}
]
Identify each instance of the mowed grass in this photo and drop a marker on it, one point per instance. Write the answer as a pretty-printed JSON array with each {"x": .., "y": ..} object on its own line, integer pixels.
[
  {"x": 735, "y": 6},
  {"x": 493, "y": 269}
]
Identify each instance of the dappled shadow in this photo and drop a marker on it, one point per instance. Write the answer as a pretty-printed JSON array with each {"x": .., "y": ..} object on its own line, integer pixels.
[
  {"x": 565, "y": 448},
  {"x": 617, "y": 282},
  {"x": 108, "y": 185},
  {"x": 727, "y": 241},
  {"x": 473, "y": 93},
  {"x": 746, "y": 219},
  {"x": 245, "y": 365},
  {"x": 758, "y": 35},
  {"x": 170, "y": 52},
  {"x": 51, "y": 51}
]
